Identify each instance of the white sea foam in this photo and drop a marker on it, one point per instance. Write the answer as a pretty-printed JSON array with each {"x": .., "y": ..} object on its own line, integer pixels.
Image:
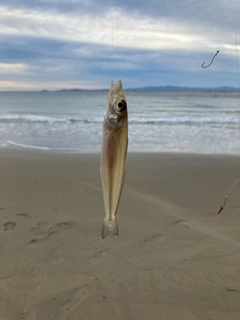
[
  {"x": 29, "y": 118},
  {"x": 195, "y": 119},
  {"x": 26, "y": 146},
  {"x": 13, "y": 118}
]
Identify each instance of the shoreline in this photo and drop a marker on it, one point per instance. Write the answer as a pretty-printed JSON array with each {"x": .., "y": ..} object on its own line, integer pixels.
[{"x": 76, "y": 152}]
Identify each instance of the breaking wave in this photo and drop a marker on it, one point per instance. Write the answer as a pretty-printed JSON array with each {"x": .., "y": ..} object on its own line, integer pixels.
[{"x": 176, "y": 120}]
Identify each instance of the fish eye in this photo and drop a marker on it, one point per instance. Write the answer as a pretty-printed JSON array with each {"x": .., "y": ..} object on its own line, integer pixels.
[{"x": 122, "y": 105}]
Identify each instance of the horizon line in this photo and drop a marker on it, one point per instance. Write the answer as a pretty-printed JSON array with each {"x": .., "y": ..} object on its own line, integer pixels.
[{"x": 145, "y": 88}]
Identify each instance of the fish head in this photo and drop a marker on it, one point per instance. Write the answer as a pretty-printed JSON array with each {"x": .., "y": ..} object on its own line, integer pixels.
[{"x": 117, "y": 105}]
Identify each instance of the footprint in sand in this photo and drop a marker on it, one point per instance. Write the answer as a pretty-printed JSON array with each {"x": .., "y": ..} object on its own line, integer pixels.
[
  {"x": 9, "y": 226},
  {"x": 184, "y": 222},
  {"x": 41, "y": 238},
  {"x": 66, "y": 225},
  {"x": 154, "y": 239},
  {"x": 41, "y": 228},
  {"x": 43, "y": 231},
  {"x": 23, "y": 215}
]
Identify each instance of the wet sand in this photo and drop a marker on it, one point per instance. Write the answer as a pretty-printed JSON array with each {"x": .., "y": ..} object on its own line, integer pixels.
[{"x": 175, "y": 257}]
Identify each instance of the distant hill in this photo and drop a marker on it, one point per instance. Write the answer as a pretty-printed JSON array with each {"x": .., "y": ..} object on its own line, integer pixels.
[
  {"x": 176, "y": 88},
  {"x": 152, "y": 88}
]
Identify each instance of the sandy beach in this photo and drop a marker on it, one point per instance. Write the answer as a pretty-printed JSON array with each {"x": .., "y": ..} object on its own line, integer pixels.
[{"x": 175, "y": 257}]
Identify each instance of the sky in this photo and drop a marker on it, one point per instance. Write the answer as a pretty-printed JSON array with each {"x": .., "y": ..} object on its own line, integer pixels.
[{"x": 55, "y": 44}]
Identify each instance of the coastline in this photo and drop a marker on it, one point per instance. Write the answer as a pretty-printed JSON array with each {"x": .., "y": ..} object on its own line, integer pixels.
[{"x": 174, "y": 255}]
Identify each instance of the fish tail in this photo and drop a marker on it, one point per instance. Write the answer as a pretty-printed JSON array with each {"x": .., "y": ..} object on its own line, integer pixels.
[{"x": 110, "y": 227}]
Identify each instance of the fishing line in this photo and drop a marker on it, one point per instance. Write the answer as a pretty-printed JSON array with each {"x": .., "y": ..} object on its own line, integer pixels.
[
  {"x": 112, "y": 32},
  {"x": 236, "y": 181},
  {"x": 236, "y": 40},
  {"x": 217, "y": 52},
  {"x": 238, "y": 92},
  {"x": 219, "y": 41},
  {"x": 224, "y": 203}
]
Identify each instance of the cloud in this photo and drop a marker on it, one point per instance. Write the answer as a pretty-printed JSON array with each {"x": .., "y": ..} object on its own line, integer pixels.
[
  {"x": 50, "y": 85},
  {"x": 129, "y": 29},
  {"x": 149, "y": 42},
  {"x": 15, "y": 68}
]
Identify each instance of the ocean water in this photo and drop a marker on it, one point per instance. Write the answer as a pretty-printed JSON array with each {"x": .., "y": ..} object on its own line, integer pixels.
[{"x": 192, "y": 122}]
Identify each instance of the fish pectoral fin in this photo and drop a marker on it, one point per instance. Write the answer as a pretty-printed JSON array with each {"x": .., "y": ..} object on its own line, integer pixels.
[{"x": 110, "y": 227}]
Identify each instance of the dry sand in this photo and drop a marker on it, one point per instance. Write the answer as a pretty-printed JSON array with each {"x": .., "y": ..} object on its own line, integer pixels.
[{"x": 175, "y": 257}]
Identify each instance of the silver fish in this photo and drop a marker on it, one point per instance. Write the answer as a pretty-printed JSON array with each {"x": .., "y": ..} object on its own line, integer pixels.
[{"x": 114, "y": 151}]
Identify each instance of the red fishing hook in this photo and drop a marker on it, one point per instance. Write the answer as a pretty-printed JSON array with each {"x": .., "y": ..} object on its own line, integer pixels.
[{"x": 222, "y": 207}]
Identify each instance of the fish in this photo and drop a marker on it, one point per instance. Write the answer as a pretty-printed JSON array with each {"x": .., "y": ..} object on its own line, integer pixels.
[{"x": 113, "y": 156}]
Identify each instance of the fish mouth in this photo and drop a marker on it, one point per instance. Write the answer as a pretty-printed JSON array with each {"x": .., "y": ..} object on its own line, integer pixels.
[{"x": 116, "y": 87}]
